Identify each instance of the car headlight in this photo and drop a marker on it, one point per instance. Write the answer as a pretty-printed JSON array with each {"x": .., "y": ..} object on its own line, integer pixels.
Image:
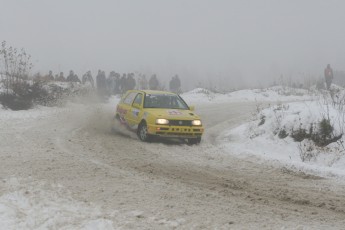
[
  {"x": 161, "y": 121},
  {"x": 196, "y": 122}
]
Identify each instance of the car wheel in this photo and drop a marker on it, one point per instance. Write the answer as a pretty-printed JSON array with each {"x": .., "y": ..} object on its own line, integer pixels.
[
  {"x": 143, "y": 133},
  {"x": 194, "y": 141}
]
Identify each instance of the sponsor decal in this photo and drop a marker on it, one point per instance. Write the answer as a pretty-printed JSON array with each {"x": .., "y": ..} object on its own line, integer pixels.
[
  {"x": 174, "y": 112},
  {"x": 135, "y": 112}
]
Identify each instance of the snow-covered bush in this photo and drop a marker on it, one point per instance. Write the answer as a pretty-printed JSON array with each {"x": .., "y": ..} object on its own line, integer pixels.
[
  {"x": 312, "y": 127},
  {"x": 28, "y": 94},
  {"x": 15, "y": 93}
]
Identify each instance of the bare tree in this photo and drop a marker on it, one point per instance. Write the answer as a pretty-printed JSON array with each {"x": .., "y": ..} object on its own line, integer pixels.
[{"x": 15, "y": 66}]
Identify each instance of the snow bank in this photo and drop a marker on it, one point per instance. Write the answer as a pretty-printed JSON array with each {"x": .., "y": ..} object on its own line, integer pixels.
[
  {"x": 278, "y": 93},
  {"x": 260, "y": 137}
]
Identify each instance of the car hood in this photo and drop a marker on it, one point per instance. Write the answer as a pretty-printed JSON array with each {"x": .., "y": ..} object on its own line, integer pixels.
[{"x": 173, "y": 114}]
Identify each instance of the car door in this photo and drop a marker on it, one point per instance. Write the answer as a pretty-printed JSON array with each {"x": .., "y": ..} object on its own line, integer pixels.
[
  {"x": 124, "y": 109},
  {"x": 136, "y": 111}
]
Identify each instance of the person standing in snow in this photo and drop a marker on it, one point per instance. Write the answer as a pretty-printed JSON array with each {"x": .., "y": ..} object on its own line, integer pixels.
[
  {"x": 101, "y": 83},
  {"x": 117, "y": 83},
  {"x": 60, "y": 77},
  {"x": 49, "y": 77},
  {"x": 328, "y": 76},
  {"x": 123, "y": 83},
  {"x": 70, "y": 76},
  {"x": 130, "y": 81},
  {"x": 175, "y": 84},
  {"x": 153, "y": 82},
  {"x": 143, "y": 82},
  {"x": 111, "y": 82},
  {"x": 87, "y": 78}
]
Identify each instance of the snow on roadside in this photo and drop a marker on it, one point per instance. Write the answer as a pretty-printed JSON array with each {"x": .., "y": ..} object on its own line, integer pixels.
[
  {"x": 40, "y": 112},
  {"x": 260, "y": 138},
  {"x": 273, "y": 94},
  {"x": 37, "y": 112},
  {"x": 262, "y": 142},
  {"x": 36, "y": 205}
]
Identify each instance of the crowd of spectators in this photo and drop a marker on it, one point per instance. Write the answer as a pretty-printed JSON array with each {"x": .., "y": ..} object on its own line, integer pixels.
[{"x": 115, "y": 83}]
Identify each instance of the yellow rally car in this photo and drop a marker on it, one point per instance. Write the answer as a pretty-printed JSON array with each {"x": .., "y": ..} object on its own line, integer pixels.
[{"x": 158, "y": 113}]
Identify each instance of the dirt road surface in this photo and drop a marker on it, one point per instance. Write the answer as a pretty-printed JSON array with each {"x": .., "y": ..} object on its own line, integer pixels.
[{"x": 71, "y": 166}]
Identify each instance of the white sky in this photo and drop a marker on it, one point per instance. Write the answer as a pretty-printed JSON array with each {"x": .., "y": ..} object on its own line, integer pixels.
[{"x": 224, "y": 40}]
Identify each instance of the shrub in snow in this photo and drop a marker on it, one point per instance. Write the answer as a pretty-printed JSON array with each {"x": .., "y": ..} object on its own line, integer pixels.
[
  {"x": 283, "y": 134},
  {"x": 313, "y": 128},
  {"x": 262, "y": 120},
  {"x": 301, "y": 133},
  {"x": 23, "y": 96},
  {"x": 26, "y": 94},
  {"x": 14, "y": 102},
  {"x": 15, "y": 65},
  {"x": 19, "y": 98},
  {"x": 321, "y": 137}
]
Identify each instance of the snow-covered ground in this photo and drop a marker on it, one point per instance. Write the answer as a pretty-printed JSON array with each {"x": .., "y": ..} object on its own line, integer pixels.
[
  {"x": 35, "y": 205},
  {"x": 202, "y": 96},
  {"x": 26, "y": 203},
  {"x": 260, "y": 139}
]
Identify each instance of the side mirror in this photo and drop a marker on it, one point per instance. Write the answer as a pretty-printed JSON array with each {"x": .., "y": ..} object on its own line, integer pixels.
[{"x": 192, "y": 108}]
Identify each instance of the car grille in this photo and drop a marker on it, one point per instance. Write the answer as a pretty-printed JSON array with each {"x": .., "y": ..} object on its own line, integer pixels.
[{"x": 180, "y": 123}]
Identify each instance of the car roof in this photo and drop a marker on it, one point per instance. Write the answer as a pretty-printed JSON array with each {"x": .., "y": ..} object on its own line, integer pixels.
[{"x": 155, "y": 92}]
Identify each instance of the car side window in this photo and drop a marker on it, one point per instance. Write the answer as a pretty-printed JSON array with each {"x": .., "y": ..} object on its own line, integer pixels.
[
  {"x": 138, "y": 99},
  {"x": 129, "y": 99}
]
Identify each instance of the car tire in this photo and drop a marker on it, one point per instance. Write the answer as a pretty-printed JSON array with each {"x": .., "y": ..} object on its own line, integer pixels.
[
  {"x": 194, "y": 141},
  {"x": 143, "y": 133}
]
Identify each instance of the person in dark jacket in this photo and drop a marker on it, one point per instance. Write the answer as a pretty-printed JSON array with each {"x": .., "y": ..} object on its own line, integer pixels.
[
  {"x": 130, "y": 81},
  {"x": 87, "y": 78},
  {"x": 61, "y": 77},
  {"x": 101, "y": 82},
  {"x": 153, "y": 82},
  {"x": 72, "y": 77},
  {"x": 328, "y": 76},
  {"x": 175, "y": 84},
  {"x": 117, "y": 83},
  {"x": 111, "y": 83},
  {"x": 123, "y": 83},
  {"x": 49, "y": 77}
]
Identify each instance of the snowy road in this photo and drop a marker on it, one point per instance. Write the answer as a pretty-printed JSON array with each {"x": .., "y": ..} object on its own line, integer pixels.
[{"x": 66, "y": 170}]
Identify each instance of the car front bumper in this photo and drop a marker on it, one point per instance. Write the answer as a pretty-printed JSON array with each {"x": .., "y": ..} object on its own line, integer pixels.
[{"x": 176, "y": 131}]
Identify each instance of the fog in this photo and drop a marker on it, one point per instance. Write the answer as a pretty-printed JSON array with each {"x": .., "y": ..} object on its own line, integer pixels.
[{"x": 223, "y": 43}]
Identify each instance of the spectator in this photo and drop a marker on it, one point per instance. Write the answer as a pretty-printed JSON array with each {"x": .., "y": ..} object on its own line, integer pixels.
[
  {"x": 130, "y": 81},
  {"x": 117, "y": 83},
  {"x": 49, "y": 77},
  {"x": 143, "y": 82},
  {"x": 175, "y": 84},
  {"x": 328, "y": 76},
  {"x": 101, "y": 82},
  {"x": 61, "y": 77},
  {"x": 111, "y": 82},
  {"x": 153, "y": 82},
  {"x": 123, "y": 83},
  {"x": 88, "y": 79},
  {"x": 72, "y": 77}
]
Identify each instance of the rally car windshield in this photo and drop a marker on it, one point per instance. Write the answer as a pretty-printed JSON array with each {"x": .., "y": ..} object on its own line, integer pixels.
[{"x": 165, "y": 101}]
